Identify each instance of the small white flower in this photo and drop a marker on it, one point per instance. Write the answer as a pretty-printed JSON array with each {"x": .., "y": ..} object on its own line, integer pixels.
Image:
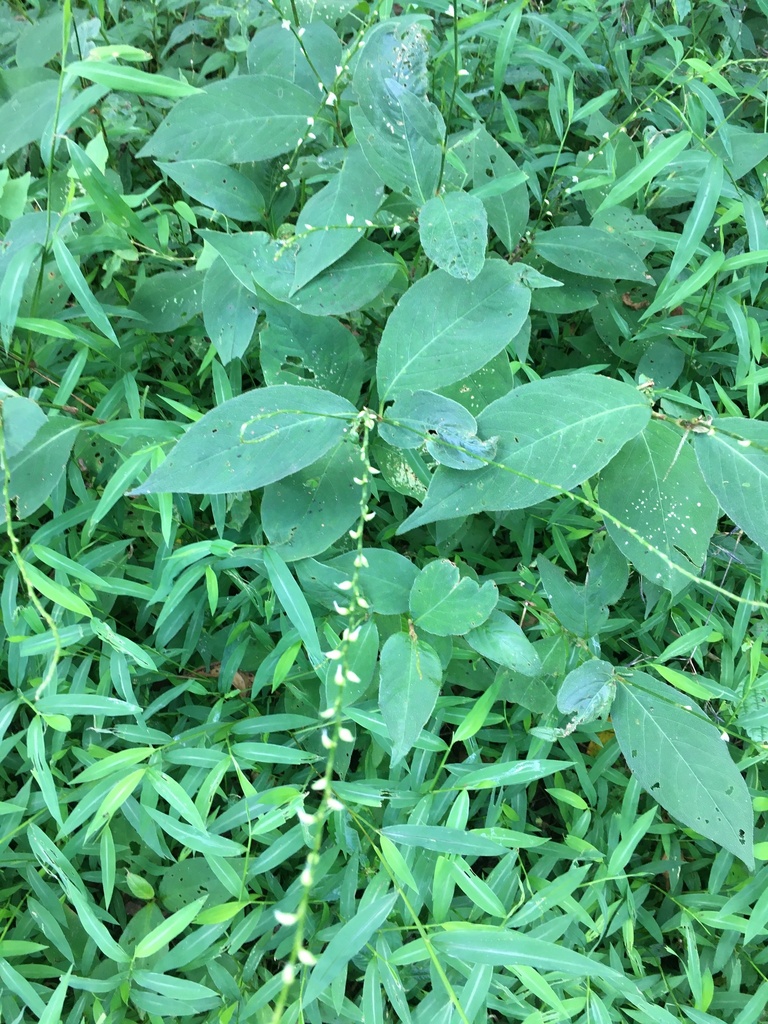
[
  {"x": 349, "y": 219},
  {"x": 330, "y": 99},
  {"x": 339, "y": 609},
  {"x": 339, "y": 70},
  {"x": 396, "y": 229},
  {"x": 328, "y": 713},
  {"x": 369, "y": 223},
  {"x": 345, "y": 735},
  {"x": 352, "y": 677},
  {"x": 334, "y": 804},
  {"x": 326, "y": 740},
  {"x": 285, "y": 919},
  {"x": 369, "y": 516},
  {"x": 333, "y": 656},
  {"x": 288, "y": 974},
  {"x": 283, "y": 184},
  {"x": 304, "y": 817},
  {"x": 286, "y": 167},
  {"x": 318, "y": 785},
  {"x": 306, "y": 958},
  {"x": 301, "y": 32},
  {"x": 306, "y": 878},
  {"x": 362, "y": 603},
  {"x": 286, "y": 25},
  {"x": 450, "y": 12},
  {"x": 339, "y": 676},
  {"x": 463, "y": 72},
  {"x": 725, "y": 737},
  {"x": 344, "y": 585},
  {"x": 311, "y": 135},
  {"x": 361, "y": 562}
]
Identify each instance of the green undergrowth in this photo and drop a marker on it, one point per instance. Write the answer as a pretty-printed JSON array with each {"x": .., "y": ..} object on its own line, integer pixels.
[{"x": 385, "y": 503}]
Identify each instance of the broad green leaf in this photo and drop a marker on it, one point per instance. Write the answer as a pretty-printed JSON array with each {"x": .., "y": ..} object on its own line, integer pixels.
[
  {"x": 347, "y": 943},
  {"x": 654, "y": 162},
  {"x": 655, "y": 486},
  {"x": 131, "y": 80},
  {"x": 679, "y": 757},
  {"x": 264, "y": 264},
  {"x": 253, "y": 440},
  {"x": 586, "y": 693},
  {"x": 410, "y": 684},
  {"x": 733, "y": 458},
  {"x": 170, "y": 299},
  {"x": 442, "y": 329},
  {"x": 553, "y": 434},
  {"x": 398, "y": 129},
  {"x": 308, "y": 511},
  {"x": 446, "y": 604},
  {"x": 293, "y": 58},
  {"x": 195, "y": 838},
  {"x": 496, "y": 180},
  {"x": 22, "y": 418},
  {"x": 39, "y": 466},
  {"x": 331, "y": 222},
  {"x": 229, "y": 312},
  {"x": 315, "y": 351},
  {"x": 446, "y": 427},
  {"x": 385, "y": 581},
  {"x": 453, "y": 229},
  {"x": 85, "y": 704},
  {"x": 25, "y": 114},
  {"x": 501, "y": 640},
  {"x": 238, "y": 120},
  {"x": 591, "y": 252},
  {"x": 169, "y": 929},
  {"x": 217, "y": 186},
  {"x": 416, "y": 414}
]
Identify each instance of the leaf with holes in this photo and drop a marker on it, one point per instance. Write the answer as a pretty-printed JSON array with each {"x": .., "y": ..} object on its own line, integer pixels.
[
  {"x": 678, "y": 755},
  {"x": 453, "y": 229}
]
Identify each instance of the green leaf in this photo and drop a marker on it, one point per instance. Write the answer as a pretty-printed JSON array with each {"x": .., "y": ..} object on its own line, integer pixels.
[
  {"x": 399, "y": 131},
  {"x": 110, "y": 203},
  {"x": 238, "y": 120},
  {"x": 697, "y": 221},
  {"x": 217, "y": 186},
  {"x": 229, "y": 312},
  {"x": 733, "y": 458},
  {"x": 130, "y": 80},
  {"x": 587, "y": 693},
  {"x": 294, "y": 603},
  {"x": 501, "y": 640},
  {"x": 591, "y": 252},
  {"x": 679, "y": 757},
  {"x": 39, "y": 466},
  {"x": 446, "y": 604},
  {"x": 453, "y": 229},
  {"x": 346, "y": 944},
  {"x": 410, "y": 684},
  {"x": 25, "y": 114},
  {"x": 313, "y": 351},
  {"x": 655, "y": 486},
  {"x": 442, "y": 330},
  {"x": 656, "y": 160},
  {"x": 448, "y": 429},
  {"x": 264, "y": 264},
  {"x": 335, "y": 217},
  {"x": 73, "y": 276},
  {"x": 169, "y": 929},
  {"x": 497, "y": 181},
  {"x": 516, "y": 773},
  {"x": 170, "y": 299},
  {"x": 253, "y": 440},
  {"x": 22, "y": 418},
  {"x": 385, "y": 581},
  {"x": 553, "y": 434},
  {"x": 441, "y": 839},
  {"x": 12, "y": 287},
  {"x": 304, "y": 514}
]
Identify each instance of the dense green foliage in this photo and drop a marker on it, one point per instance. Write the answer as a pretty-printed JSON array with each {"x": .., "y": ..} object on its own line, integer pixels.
[{"x": 386, "y": 499}]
